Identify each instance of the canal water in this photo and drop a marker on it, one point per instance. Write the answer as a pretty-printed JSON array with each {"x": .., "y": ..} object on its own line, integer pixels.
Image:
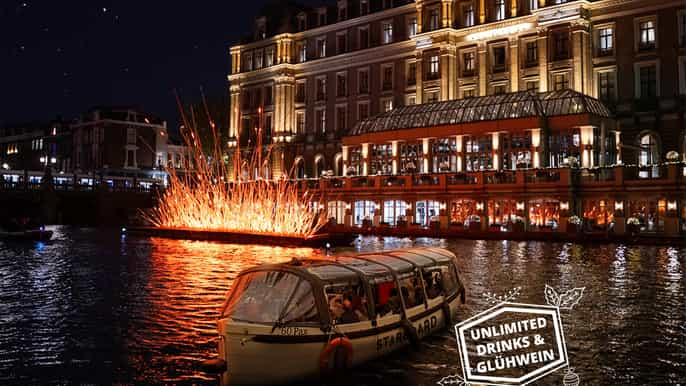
[{"x": 92, "y": 307}]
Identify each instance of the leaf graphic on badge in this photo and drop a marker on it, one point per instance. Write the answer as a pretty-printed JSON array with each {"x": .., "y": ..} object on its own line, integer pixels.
[
  {"x": 452, "y": 380},
  {"x": 551, "y": 296},
  {"x": 571, "y": 298}
]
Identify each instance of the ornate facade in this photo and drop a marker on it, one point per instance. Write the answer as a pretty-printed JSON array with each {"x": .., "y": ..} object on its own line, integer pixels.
[{"x": 308, "y": 76}]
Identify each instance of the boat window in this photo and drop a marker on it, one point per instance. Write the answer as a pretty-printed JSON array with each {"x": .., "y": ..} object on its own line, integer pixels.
[
  {"x": 449, "y": 278},
  {"x": 347, "y": 302},
  {"x": 386, "y": 297},
  {"x": 261, "y": 297},
  {"x": 433, "y": 283},
  {"x": 302, "y": 308},
  {"x": 411, "y": 289}
]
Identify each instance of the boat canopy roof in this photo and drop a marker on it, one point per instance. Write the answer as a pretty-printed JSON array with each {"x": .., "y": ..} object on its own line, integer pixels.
[{"x": 371, "y": 265}]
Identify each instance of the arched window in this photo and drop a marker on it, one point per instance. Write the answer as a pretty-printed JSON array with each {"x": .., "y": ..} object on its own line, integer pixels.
[
  {"x": 299, "y": 167},
  {"x": 650, "y": 153},
  {"x": 318, "y": 166},
  {"x": 338, "y": 164}
]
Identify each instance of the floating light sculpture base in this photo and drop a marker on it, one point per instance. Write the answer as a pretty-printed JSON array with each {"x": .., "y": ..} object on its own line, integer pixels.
[{"x": 213, "y": 201}]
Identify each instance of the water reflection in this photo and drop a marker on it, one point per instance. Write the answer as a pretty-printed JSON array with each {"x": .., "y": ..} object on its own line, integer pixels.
[{"x": 95, "y": 307}]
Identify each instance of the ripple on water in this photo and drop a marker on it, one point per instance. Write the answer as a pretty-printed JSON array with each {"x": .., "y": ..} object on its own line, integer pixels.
[{"x": 92, "y": 307}]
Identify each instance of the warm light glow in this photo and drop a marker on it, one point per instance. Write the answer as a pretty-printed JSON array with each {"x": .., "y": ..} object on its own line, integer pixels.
[
  {"x": 564, "y": 205},
  {"x": 671, "y": 205},
  {"x": 479, "y": 206},
  {"x": 503, "y": 31},
  {"x": 195, "y": 200},
  {"x": 619, "y": 205},
  {"x": 520, "y": 206}
]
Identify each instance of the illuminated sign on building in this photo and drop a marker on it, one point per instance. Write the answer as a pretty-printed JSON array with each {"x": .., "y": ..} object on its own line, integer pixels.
[{"x": 503, "y": 31}]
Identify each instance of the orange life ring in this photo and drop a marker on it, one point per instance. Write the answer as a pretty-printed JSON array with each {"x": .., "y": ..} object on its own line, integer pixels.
[{"x": 329, "y": 353}]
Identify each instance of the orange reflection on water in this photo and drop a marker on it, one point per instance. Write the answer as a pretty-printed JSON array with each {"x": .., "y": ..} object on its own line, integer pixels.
[{"x": 186, "y": 286}]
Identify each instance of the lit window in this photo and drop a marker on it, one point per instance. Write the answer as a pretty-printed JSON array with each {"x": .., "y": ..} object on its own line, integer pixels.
[
  {"x": 321, "y": 121},
  {"x": 605, "y": 40},
  {"x": 387, "y": 33},
  {"x": 302, "y": 53},
  {"x": 561, "y": 41},
  {"x": 499, "y": 9},
  {"x": 411, "y": 100},
  {"x": 468, "y": 59},
  {"x": 259, "y": 59},
  {"x": 411, "y": 74},
  {"x": 412, "y": 27},
  {"x": 468, "y": 15},
  {"x": 247, "y": 60},
  {"x": 433, "y": 67},
  {"x": 300, "y": 122},
  {"x": 646, "y": 35},
  {"x": 364, "y": 7},
  {"x": 387, "y": 105},
  {"x": 468, "y": 93},
  {"x": 321, "y": 89},
  {"x": 321, "y": 48},
  {"x": 270, "y": 56},
  {"x": 533, "y": 5}
]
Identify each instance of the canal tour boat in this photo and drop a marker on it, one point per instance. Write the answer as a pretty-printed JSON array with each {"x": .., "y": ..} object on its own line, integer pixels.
[{"x": 315, "y": 317}]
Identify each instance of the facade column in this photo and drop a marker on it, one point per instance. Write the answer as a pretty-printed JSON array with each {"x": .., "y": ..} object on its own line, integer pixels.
[
  {"x": 460, "y": 152},
  {"x": 495, "y": 151},
  {"x": 542, "y": 45},
  {"x": 618, "y": 144},
  {"x": 235, "y": 60},
  {"x": 365, "y": 159},
  {"x": 344, "y": 156},
  {"x": 586, "y": 146},
  {"x": 448, "y": 75},
  {"x": 235, "y": 113},
  {"x": 284, "y": 105},
  {"x": 420, "y": 15},
  {"x": 514, "y": 60},
  {"x": 482, "y": 11},
  {"x": 447, "y": 13},
  {"x": 535, "y": 145},
  {"x": 581, "y": 54},
  {"x": 483, "y": 74},
  {"x": 513, "y": 8}
]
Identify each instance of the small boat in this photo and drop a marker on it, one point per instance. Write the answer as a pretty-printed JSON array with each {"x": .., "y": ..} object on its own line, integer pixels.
[
  {"x": 26, "y": 235},
  {"x": 317, "y": 317}
]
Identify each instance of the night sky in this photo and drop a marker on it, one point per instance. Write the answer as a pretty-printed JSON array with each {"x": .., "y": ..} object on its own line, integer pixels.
[{"x": 63, "y": 57}]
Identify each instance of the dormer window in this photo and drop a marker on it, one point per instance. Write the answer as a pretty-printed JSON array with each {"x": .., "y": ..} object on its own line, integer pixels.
[
  {"x": 302, "y": 21},
  {"x": 342, "y": 10},
  {"x": 364, "y": 7},
  {"x": 260, "y": 28},
  {"x": 322, "y": 17}
]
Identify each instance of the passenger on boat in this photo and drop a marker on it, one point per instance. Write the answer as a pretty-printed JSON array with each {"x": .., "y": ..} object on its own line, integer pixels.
[{"x": 349, "y": 315}]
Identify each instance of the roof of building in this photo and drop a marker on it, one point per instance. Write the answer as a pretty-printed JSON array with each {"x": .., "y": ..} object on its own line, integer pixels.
[{"x": 520, "y": 104}]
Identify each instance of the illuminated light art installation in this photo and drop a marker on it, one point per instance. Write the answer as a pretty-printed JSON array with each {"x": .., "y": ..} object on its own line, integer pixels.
[{"x": 209, "y": 197}]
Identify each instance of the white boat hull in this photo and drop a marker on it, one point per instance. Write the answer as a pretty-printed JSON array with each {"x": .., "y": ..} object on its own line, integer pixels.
[{"x": 256, "y": 355}]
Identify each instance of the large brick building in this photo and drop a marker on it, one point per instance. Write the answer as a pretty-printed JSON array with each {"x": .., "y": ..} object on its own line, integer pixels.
[{"x": 307, "y": 76}]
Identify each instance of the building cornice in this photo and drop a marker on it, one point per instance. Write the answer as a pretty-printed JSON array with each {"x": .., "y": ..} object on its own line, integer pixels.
[
  {"x": 116, "y": 122},
  {"x": 317, "y": 31}
]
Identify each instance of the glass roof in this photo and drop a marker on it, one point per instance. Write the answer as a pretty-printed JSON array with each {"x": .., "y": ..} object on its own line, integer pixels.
[
  {"x": 487, "y": 108},
  {"x": 328, "y": 272},
  {"x": 397, "y": 264},
  {"x": 412, "y": 256},
  {"x": 367, "y": 267}
]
